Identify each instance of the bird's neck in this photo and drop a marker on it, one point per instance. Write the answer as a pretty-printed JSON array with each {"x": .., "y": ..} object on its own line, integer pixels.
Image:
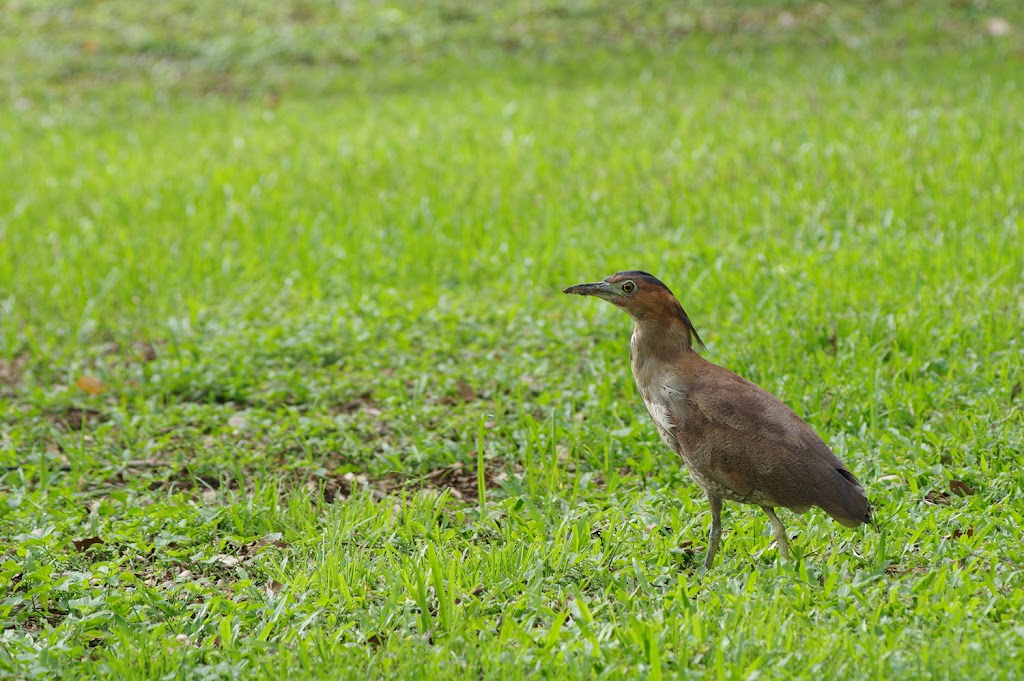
[{"x": 661, "y": 340}]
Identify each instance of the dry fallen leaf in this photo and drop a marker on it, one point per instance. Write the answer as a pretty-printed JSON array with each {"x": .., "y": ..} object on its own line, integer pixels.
[
  {"x": 466, "y": 391},
  {"x": 262, "y": 543},
  {"x": 959, "y": 487},
  {"x": 685, "y": 547},
  {"x": 76, "y": 419},
  {"x": 969, "y": 532},
  {"x": 146, "y": 351},
  {"x": 934, "y": 497},
  {"x": 83, "y": 544},
  {"x": 364, "y": 399},
  {"x": 226, "y": 560},
  {"x": 89, "y": 384}
]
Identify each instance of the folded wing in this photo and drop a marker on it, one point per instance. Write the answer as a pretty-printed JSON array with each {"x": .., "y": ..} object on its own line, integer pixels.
[{"x": 741, "y": 438}]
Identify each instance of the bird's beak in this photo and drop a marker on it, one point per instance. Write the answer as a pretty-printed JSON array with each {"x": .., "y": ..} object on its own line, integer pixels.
[{"x": 600, "y": 289}]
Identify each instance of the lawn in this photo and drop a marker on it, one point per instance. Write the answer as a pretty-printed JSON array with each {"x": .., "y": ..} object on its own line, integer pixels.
[{"x": 289, "y": 389}]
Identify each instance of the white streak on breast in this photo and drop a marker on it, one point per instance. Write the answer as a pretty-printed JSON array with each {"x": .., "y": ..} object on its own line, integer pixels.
[{"x": 660, "y": 414}]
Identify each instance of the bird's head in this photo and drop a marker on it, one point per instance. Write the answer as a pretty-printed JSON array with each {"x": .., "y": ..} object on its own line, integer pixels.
[{"x": 642, "y": 296}]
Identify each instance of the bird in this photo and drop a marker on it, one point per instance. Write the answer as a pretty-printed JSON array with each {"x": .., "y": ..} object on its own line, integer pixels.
[{"x": 739, "y": 442}]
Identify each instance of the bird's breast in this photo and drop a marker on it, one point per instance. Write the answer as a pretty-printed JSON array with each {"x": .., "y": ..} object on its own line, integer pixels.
[
  {"x": 661, "y": 386},
  {"x": 663, "y": 421},
  {"x": 660, "y": 406}
]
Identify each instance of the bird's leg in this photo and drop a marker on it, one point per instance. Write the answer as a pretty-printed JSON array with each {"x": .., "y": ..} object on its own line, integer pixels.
[
  {"x": 716, "y": 529},
  {"x": 778, "y": 531}
]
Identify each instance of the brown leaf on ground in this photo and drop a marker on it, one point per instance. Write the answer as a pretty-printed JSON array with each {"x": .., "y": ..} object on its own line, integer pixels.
[
  {"x": 939, "y": 498},
  {"x": 75, "y": 418},
  {"x": 255, "y": 547},
  {"x": 462, "y": 481},
  {"x": 270, "y": 542},
  {"x": 336, "y": 487},
  {"x": 457, "y": 478},
  {"x": 361, "y": 401},
  {"x": 969, "y": 532},
  {"x": 960, "y": 488},
  {"x": 145, "y": 350},
  {"x": 904, "y": 569},
  {"x": 83, "y": 544},
  {"x": 226, "y": 560},
  {"x": 89, "y": 384},
  {"x": 466, "y": 391}
]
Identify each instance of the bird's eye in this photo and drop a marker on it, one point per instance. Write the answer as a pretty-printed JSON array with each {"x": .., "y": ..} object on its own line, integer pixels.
[{"x": 628, "y": 287}]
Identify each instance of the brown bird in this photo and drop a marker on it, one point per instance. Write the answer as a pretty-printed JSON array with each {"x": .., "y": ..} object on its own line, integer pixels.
[{"x": 738, "y": 440}]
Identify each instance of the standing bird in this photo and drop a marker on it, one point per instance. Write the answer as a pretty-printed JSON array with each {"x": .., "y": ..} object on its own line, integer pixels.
[{"x": 738, "y": 440}]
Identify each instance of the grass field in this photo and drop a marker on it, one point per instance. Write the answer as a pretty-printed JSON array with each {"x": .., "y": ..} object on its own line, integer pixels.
[{"x": 288, "y": 386}]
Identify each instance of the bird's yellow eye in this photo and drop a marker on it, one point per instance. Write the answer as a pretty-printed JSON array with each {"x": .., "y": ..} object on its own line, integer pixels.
[{"x": 628, "y": 287}]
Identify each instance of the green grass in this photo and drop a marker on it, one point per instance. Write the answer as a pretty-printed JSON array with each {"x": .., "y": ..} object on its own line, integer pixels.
[{"x": 351, "y": 427}]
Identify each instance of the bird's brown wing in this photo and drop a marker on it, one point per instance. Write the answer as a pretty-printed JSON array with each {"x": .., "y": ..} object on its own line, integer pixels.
[{"x": 737, "y": 435}]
